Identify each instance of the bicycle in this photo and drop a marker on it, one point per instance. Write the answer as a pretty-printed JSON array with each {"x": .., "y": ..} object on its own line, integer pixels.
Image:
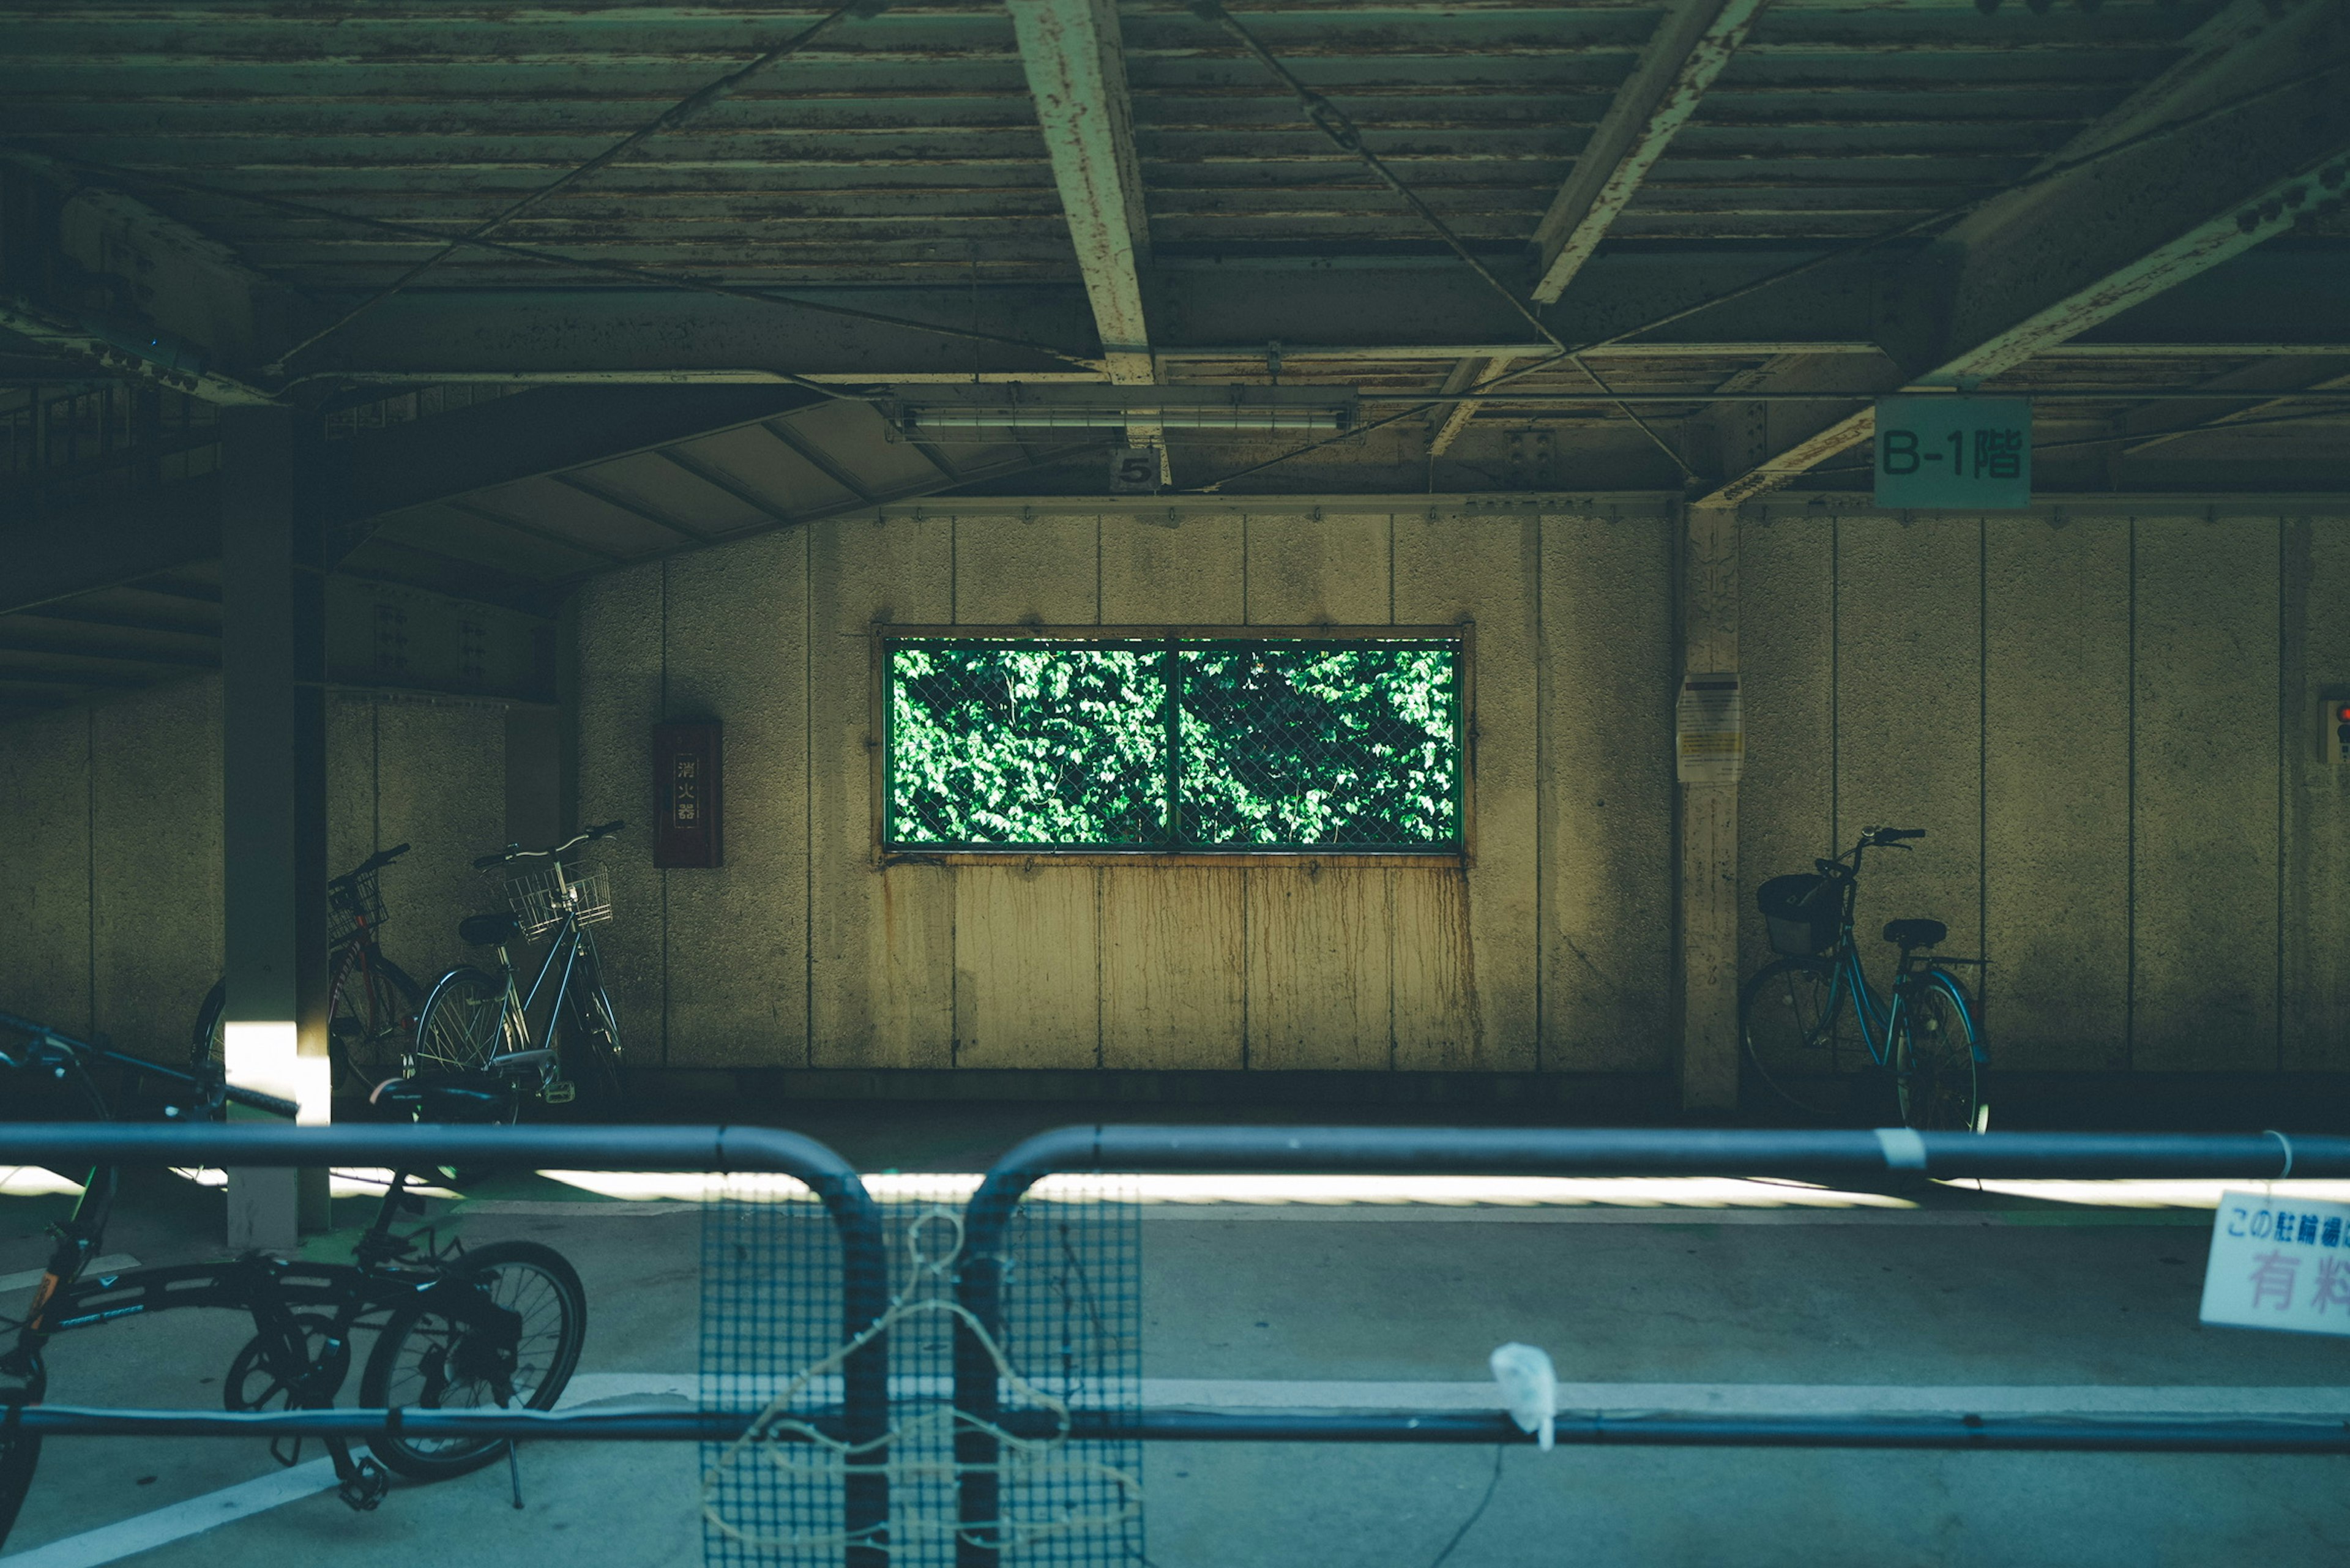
[
  {"x": 371, "y": 1002},
  {"x": 472, "y": 1017},
  {"x": 1923, "y": 1037},
  {"x": 499, "y": 1325}
]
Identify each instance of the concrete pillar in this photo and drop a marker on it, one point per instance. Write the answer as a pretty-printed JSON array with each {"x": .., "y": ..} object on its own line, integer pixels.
[
  {"x": 1709, "y": 827},
  {"x": 273, "y": 731}
]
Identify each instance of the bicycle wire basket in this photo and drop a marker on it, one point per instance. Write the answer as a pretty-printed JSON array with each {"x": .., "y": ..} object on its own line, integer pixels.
[
  {"x": 1803, "y": 913},
  {"x": 352, "y": 903},
  {"x": 540, "y": 899}
]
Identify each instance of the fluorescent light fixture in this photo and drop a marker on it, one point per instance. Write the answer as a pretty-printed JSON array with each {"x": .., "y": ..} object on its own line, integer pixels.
[
  {"x": 1049, "y": 417},
  {"x": 266, "y": 1057},
  {"x": 1326, "y": 1192}
]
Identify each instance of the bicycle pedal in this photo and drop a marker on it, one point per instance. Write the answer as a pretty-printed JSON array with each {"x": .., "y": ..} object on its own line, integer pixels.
[
  {"x": 364, "y": 1488},
  {"x": 561, "y": 1093}
]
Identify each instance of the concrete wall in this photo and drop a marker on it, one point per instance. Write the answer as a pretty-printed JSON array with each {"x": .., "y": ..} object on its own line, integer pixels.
[
  {"x": 2106, "y": 723},
  {"x": 111, "y": 861},
  {"x": 1548, "y": 952}
]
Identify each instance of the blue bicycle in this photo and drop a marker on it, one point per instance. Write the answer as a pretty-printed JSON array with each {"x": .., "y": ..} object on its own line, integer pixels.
[{"x": 1921, "y": 1040}]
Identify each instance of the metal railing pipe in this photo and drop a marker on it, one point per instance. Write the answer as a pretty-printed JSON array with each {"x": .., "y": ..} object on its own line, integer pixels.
[
  {"x": 722, "y": 1150},
  {"x": 1897, "y": 1153},
  {"x": 2131, "y": 1434}
]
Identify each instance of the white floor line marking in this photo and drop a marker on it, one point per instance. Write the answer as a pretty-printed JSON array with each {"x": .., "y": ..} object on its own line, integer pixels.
[
  {"x": 161, "y": 1527},
  {"x": 113, "y": 1263},
  {"x": 1482, "y": 1214},
  {"x": 586, "y": 1209},
  {"x": 1743, "y": 1398},
  {"x": 1491, "y": 1214},
  {"x": 145, "y": 1531}
]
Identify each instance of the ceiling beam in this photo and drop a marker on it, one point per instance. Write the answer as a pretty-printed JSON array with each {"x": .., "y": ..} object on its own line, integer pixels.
[
  {"x": 1075, "y": 67},
  {"x": 535, "y": 433},
  {"x": 117, "y": 283},
  {"x": 109, "y": 542},
  {"x": 1691, "y": 44},
  {"x": 1408, "y": 309},
  {"x": 2042, "y": 263}
]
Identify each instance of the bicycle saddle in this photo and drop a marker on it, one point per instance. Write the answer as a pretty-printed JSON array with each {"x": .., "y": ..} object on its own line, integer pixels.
[
  {"x": 488, "y": 930},
  {"x": 1908, "y": 934}
]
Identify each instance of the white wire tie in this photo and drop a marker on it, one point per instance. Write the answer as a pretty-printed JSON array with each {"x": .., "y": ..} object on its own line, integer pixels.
[
  {"x": 2287, "y": 1171},
  {"x": 1904, "y": 1149}
]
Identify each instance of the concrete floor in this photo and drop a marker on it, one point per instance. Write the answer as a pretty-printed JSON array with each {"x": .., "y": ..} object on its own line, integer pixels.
[{"x": 1989, "y": 1302}]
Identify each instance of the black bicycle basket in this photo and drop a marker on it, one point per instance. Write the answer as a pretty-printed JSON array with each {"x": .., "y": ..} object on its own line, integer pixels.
[{"x": 1803, "y": 912}]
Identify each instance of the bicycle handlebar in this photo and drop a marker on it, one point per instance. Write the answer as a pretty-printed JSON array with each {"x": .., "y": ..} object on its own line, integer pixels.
[
  {"x": 376, "y": 862},
  {"x": 514, "y": 851},
  {"x": 46, "y": 1039}
]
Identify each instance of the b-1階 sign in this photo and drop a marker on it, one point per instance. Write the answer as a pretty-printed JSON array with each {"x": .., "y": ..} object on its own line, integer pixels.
[{"x": 1971, "y": 454}]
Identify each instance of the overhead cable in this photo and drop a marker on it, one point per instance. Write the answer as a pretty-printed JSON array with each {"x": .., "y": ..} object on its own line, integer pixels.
[
  {"x": 677, "y": 114},
  {"x": 1333, "y": 122},
  {"x": 1825, "y": 258},
  {"x": 551, "y": 258}
]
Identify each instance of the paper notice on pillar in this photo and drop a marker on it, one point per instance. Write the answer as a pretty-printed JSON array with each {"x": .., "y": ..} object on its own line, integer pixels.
[
  {"x": 2279, "y": 1262},
  {"x": 1709, "y": 731}
]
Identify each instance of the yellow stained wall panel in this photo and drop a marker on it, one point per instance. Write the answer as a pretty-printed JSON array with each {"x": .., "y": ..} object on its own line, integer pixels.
[
  {"x": 1910, "y": 720},
  {"x": 621, "y": 631},
  {"x": 1466, "y": 956},
  {"x": 1318, "y": 967},
  {"x": 1174, "y": 966},
  {"x": 1027, "y": 966},
  {"x": 1172, "y": 568},
  {"x": 45, "y": 916},
  {"x": 2205, "y": 981},
  {"x": 1015, "y": 570},
  {"x": 2057, "y": 793},
  {"x": 737, "y": 943},
  {"x": 1607, "y": 671},
  {"x": 2316, "y": 992},
  {"x": 1786, "y": 649},
  {"x": 881, "y": 940},
  {"x": 1312, "y": 567}
]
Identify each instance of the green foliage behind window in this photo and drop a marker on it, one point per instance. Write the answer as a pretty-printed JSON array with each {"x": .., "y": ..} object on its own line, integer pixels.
[{"x": 1276, "y": 745}]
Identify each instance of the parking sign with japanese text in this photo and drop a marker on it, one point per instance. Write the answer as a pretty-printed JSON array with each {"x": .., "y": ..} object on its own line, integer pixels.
[
  {"x": 2279, "y": 1262},
  {"x": 1962, "y": 452}
]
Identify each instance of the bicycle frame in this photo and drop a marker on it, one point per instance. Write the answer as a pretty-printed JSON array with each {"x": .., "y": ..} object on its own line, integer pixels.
[
  {"x": 569, "y": 939},
  {"x": 1877, "y": 1013}
]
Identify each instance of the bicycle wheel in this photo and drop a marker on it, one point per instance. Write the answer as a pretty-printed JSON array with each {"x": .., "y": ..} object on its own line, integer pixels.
[
  {"x": 1937, "y": 1082},
  {"x": 1794, "y": 1046},
  {"x": 592, "y": 1041},
  {"x": 425, "y": 1361},
  {"x": 204, "y": 1048},
  {"x": 462, "y": 1025},
  {"x": 371, "y": 1018},
  {"x": 20, "y": 1456}
]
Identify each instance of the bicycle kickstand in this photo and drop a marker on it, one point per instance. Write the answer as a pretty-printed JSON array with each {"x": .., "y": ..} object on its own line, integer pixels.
[{"x": 361, "y": 1483}]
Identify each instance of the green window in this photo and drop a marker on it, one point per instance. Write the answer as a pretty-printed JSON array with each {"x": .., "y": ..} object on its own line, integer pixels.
[{"x": 1212, "y": 744}]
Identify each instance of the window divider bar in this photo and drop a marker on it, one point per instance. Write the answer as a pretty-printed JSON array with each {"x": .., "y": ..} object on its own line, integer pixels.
[{"x": 1174, "y": 745}]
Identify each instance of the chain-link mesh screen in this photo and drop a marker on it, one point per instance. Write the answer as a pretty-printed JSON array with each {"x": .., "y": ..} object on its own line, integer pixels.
[
  {"x": 1352, "y": 745},
  {"x": 1258, "y": 744},
  {"x": 1024, "y": 744},
  {"x": 1070, "y": 1332}
]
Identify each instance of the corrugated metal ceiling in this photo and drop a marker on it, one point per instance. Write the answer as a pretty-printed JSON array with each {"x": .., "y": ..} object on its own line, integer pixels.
[{"x": 904, "y": 145}]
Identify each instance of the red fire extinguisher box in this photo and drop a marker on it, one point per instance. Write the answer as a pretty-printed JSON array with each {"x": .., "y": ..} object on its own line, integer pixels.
[{"x": 686, "y": 795}]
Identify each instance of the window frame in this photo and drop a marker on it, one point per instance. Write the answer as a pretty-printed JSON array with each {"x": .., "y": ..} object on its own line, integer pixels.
[{"x": 1462, "y": 633}]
